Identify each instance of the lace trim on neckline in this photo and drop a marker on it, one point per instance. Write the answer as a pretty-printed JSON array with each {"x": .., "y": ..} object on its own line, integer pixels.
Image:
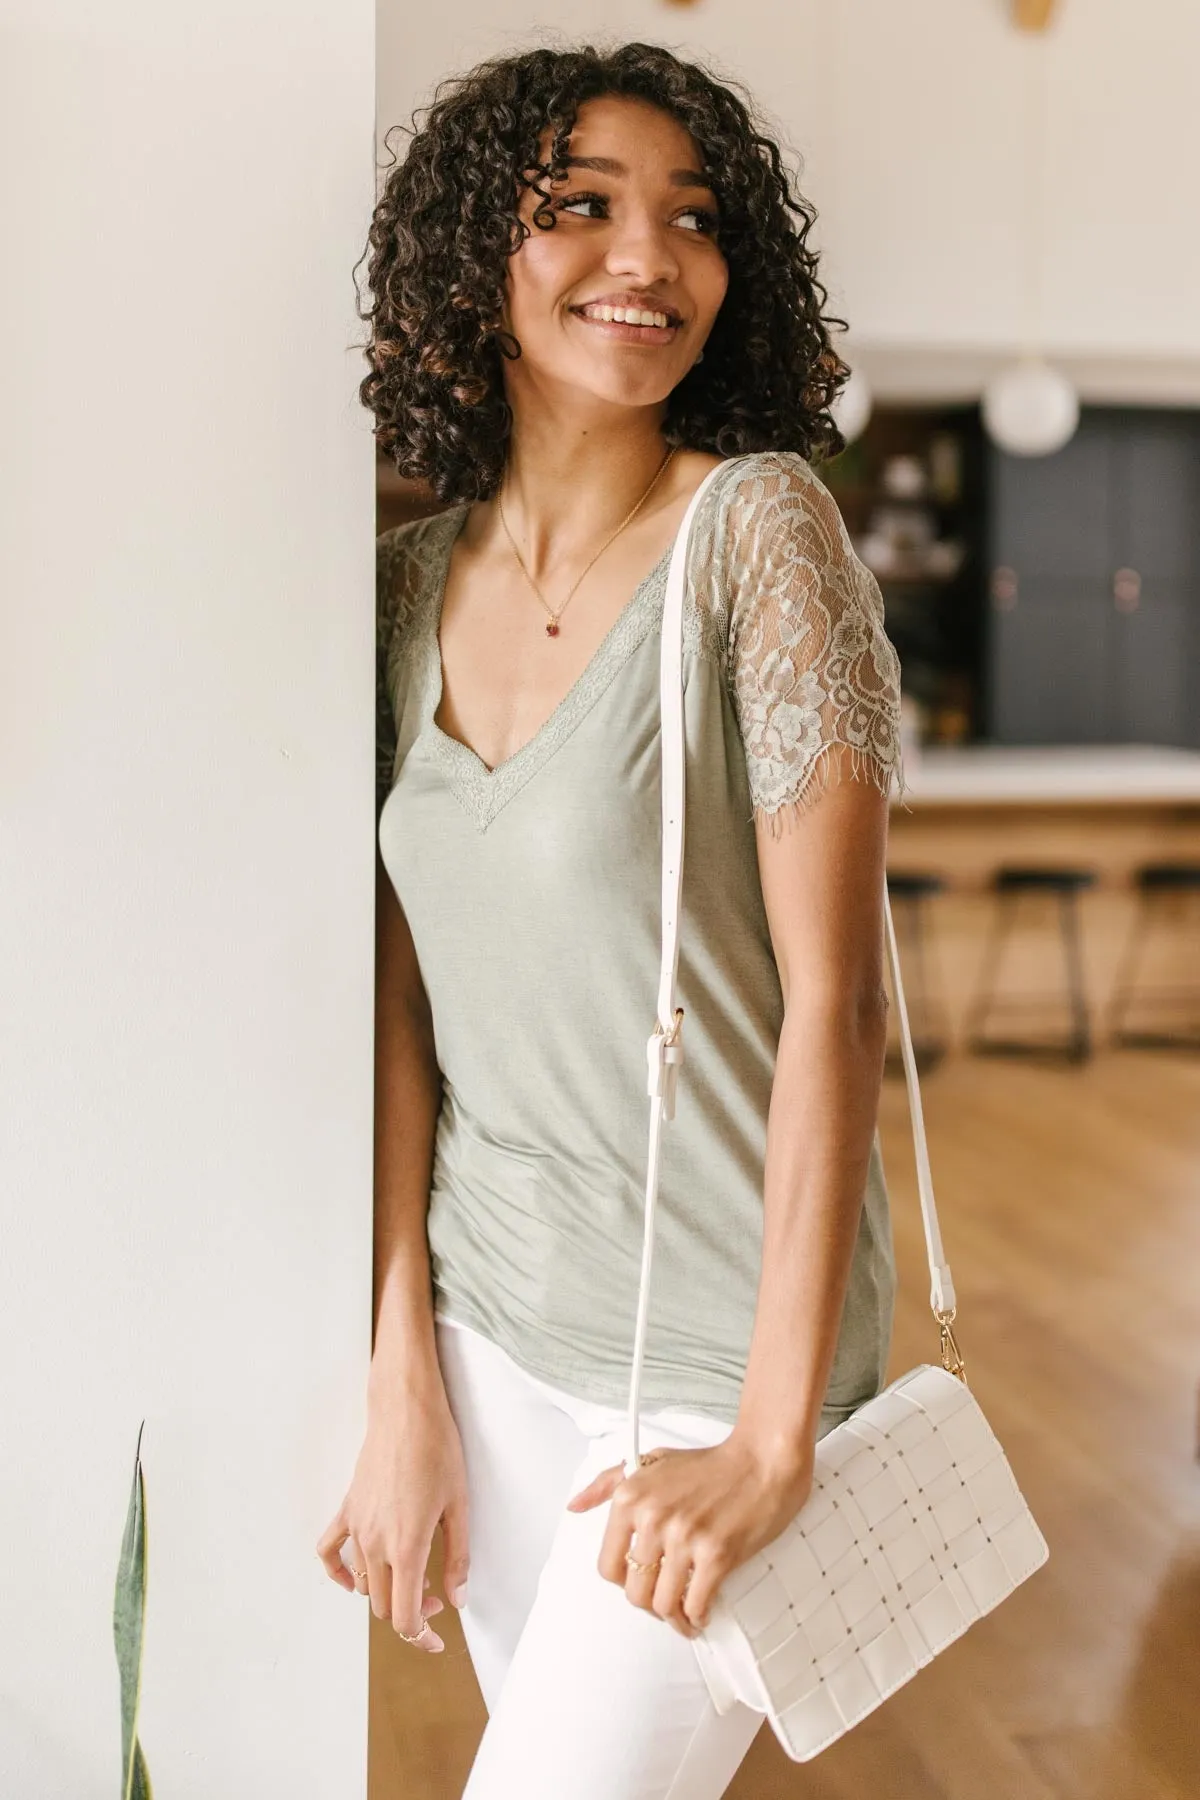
[
  {"x": 484, "y": 792},
  {"x": 775, "y": 596}
]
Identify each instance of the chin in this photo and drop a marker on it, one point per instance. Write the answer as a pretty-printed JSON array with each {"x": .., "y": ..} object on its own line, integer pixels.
[{"x": 630, "y": 390}]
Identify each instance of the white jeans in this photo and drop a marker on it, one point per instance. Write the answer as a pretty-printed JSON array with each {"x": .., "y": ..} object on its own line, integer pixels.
[{"x": 588, "y": 1696}]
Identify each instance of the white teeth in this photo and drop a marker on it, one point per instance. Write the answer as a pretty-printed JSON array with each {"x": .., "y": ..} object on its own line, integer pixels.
[{"x": 627, "y": 315}]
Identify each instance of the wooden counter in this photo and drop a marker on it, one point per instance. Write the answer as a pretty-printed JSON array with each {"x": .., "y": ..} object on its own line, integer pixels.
[
  {"x": 1108, "y": 809},
  {"x": 1055, "y": 775}
]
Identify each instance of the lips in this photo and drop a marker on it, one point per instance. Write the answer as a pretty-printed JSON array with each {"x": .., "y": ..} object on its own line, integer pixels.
[
  {"x": 624, "y": 300},
  {"x": 625, "y": 332}
]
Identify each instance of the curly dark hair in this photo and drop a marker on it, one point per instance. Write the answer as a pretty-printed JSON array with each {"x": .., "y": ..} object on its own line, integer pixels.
[{"x": 446, "y": 223}]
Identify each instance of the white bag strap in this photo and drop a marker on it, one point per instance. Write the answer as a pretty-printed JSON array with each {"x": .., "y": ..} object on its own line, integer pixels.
[{"x": 664, "y": 1049}]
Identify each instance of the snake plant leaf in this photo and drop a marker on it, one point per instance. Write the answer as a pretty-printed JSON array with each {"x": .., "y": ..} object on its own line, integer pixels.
[{"x": 129, "y": 1624}]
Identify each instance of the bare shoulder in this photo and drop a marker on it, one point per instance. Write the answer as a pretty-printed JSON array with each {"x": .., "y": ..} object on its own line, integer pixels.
[{"x": 691, "y": 466}]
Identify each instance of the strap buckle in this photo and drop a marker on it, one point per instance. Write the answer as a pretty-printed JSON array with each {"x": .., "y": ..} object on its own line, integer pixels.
[
  {"x": 664, "y": 1054},
  {"x": 672, "y": 1036}
]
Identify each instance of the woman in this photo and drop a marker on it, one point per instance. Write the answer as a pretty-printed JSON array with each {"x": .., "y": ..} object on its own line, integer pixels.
[{"x": 547, "y": 198}]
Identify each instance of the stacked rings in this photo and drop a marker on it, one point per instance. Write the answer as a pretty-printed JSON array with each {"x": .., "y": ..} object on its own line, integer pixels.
[
  {"x": 361, "y": 1575},
  {"x": 419, "y": 1635}
]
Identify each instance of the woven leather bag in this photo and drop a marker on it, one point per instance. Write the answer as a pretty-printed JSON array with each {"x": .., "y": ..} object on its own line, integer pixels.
[{"x": 915, "y": 1526}]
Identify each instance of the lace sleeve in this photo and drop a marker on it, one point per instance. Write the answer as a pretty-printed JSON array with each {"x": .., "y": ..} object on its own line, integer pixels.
[{"x": 810, "y": 664}]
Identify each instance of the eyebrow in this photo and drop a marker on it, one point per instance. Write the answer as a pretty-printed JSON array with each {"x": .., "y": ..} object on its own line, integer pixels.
[{"x": 608, "y": 165}]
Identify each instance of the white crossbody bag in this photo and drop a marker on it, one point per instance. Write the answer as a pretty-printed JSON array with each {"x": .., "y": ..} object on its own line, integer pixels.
[{"x": 915, "y": 1526}]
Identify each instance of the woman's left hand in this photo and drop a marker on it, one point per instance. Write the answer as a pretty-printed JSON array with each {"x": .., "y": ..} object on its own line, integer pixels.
[{"x": 705, "y": 1512}]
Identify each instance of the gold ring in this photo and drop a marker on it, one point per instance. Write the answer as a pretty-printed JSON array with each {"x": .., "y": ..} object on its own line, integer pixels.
[
  {"x": 419, "y": 1635},
  {"x": 358, "y": 1574},
  {"x": 641, "y": 1568}
]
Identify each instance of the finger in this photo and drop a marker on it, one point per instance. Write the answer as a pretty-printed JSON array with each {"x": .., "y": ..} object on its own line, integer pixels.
[
  {"x": 379, "y": 1585},
  {"x": 640, "y": 1584},
  {"x": 674, "y": 1581},
  {"x": 456, "y": 1557},
  {"x": 356, "y": 1565},
  {"x": 601, "y": 1488},
  {"x": 697, "y": 1602},
  {"x": 629, "y": 1488},
  {"x": 409, "y": 1606},
  {"x": 656, "y": 1455},
  {"x": 431, "y": 1604},
  {"x": 611, "y": 1564},
  {"x": 329, "y": 1550}
]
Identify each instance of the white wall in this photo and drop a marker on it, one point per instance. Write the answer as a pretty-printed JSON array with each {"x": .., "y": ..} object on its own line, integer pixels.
[
  {"x": 186, "y": 884},
  {"x": 910, "y": 116}
]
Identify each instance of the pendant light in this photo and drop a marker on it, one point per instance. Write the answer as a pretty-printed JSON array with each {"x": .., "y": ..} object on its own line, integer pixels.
[{"x": 1031, "y": 408}]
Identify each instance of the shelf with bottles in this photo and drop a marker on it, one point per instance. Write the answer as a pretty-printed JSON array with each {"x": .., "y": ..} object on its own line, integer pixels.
[
  {"x": 938, "y": 708},
  {"x": 905, "y": 490},
  {"x": 911, "y": 490}
]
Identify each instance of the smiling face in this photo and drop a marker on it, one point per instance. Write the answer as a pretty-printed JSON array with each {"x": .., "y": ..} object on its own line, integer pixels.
[{"x": 633, "y": 234}]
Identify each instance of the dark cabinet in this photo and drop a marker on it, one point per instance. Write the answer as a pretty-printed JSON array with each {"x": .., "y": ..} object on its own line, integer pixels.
[{"x": 1094, "y": 611}]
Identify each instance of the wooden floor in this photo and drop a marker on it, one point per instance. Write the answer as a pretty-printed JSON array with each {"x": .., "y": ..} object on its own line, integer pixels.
[{"x": 1071, "y": 1211}]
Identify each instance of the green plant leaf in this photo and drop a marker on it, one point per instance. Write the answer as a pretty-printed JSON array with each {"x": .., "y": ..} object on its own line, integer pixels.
[{"x": 129, "y": 1624}]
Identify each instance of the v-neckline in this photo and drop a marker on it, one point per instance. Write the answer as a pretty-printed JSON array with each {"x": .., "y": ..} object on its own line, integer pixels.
[{"x": 484, "y": 790}]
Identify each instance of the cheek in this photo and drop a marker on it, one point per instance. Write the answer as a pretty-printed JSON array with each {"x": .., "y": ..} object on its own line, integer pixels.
[
  {"x": 716, "y": 286},
  {"x": 540, "y": 272}
]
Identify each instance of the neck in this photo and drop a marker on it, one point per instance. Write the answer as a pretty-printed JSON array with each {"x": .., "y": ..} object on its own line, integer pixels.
[{"x": 566, "y": 483}]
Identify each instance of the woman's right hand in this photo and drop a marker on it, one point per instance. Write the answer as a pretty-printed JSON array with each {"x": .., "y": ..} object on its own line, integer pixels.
[{"x": 410, "y": 1475}]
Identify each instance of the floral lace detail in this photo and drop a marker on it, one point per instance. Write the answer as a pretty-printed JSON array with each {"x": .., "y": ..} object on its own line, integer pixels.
[
  {"x": 810, "y": 666},
  {"x": 407, "y": 561},
  {"x": 485, "y": 792},
  {"x": 411, "y": 563},
  {"x": 775, "y": 596}
]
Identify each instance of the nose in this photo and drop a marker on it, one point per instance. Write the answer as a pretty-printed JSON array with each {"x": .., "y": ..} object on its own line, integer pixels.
[{"x": 641, "y": 249}]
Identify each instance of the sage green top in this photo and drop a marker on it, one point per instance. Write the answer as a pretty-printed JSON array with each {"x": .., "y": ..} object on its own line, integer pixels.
[{"x": 533, "y": 896}]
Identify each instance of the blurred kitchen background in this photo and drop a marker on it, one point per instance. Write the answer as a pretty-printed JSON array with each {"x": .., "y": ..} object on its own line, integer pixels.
[{"x": 1006, "y": 191}]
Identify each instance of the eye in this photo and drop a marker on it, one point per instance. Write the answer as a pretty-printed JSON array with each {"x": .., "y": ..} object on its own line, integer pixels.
[
  {"x": 708, "y": 220},
  {"x": 573, "y": 200}
]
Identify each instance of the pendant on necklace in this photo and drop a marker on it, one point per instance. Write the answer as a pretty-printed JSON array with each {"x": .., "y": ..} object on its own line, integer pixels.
[{"x": 552, "y": 628}]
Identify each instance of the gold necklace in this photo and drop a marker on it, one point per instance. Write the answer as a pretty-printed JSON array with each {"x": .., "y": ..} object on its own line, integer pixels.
[{"x": 552, "y": 625}]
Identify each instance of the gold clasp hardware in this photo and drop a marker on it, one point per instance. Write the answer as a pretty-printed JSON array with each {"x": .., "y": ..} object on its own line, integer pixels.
[{"x": 952, "y": 1360}]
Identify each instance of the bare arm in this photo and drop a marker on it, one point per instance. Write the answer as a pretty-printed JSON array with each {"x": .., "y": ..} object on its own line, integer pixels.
[
  {"x": 816, "y": 686},
  {"x": 410, "y": 1475},
  {"x": 408, "y": 1091},
  {"x": 823, "y": 888}
]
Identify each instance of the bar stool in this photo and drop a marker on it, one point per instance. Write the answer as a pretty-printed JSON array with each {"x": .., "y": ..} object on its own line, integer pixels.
[
  {"x": 1010, "y": 882},
  {"x": 910, "y": 892},
  {"x": 1163, "y": 889}
]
